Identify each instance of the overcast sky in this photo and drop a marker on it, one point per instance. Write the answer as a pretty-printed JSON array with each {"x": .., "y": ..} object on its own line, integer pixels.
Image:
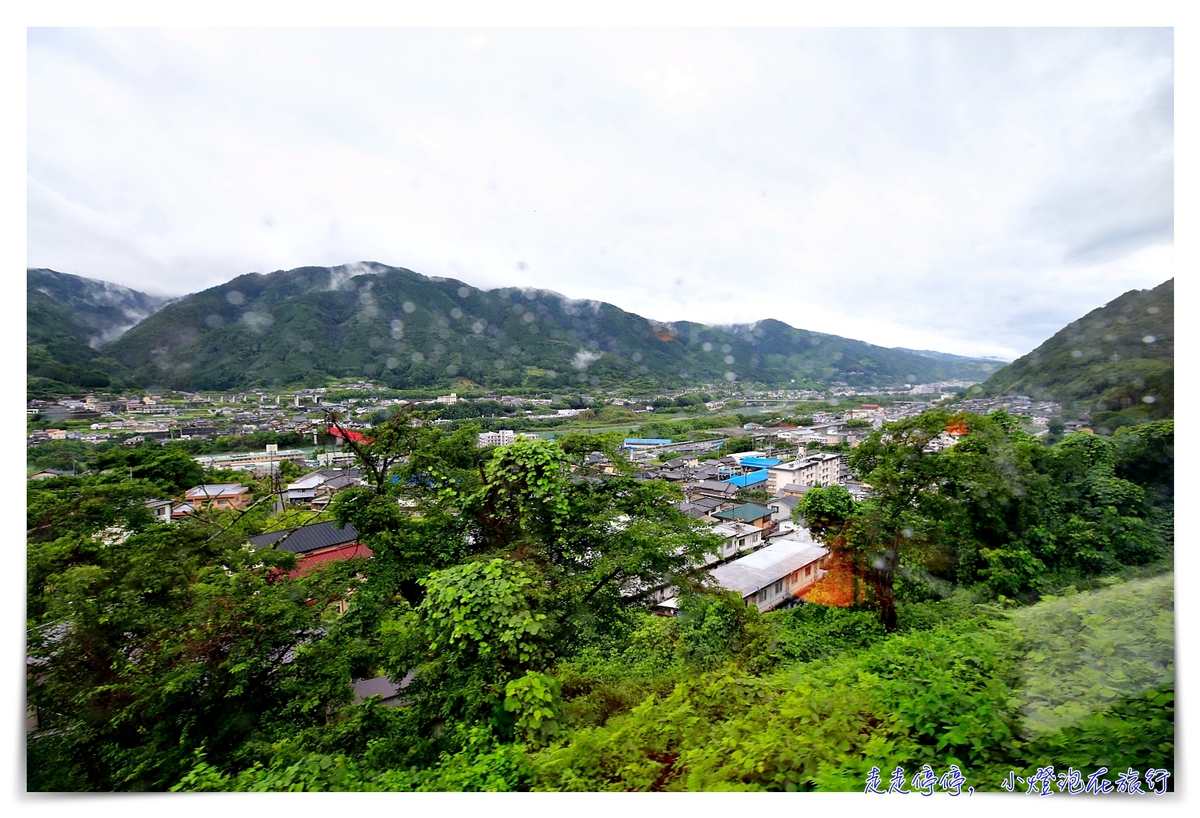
[{"x": 968, "y": 191}]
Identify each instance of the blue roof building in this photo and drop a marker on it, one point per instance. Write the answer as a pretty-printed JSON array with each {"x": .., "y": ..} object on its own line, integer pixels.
[
  {"x": 746, "y": 480},
  {"x": 760, "y": 462}
]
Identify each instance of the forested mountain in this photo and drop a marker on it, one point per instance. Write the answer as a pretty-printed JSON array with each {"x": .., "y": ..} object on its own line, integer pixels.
[
  {"x": 68, "y": 319},
  {"x": 1118, "y": 361},
  {"x": 99, "y": 310},
  {"x": 404, "y": 329}
]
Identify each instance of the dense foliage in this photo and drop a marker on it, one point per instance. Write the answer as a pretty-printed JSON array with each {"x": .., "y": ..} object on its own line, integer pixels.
[{"x": 1010, "y": 608}]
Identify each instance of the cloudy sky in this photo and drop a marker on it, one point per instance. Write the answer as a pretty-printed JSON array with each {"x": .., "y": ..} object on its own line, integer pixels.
[{"x": 969, "y": 191}]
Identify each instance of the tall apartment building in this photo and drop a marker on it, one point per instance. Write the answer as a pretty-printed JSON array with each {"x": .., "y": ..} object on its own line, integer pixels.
[{"x": 817, "y": 468}]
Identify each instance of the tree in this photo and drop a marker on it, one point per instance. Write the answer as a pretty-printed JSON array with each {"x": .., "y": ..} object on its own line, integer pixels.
[
  {"x": 149, "y": 641},
  {"x": 824, "y": 511}
]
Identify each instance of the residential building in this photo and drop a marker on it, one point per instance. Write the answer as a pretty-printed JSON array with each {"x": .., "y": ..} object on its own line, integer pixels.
[
  {"x": 775, "y": 574},
  {"x": 161, "y": 509},
  {"x": 314, "y": 544},
  {"x": 740, "y": 538},
  {"x": 502, "y": 437},
  {"x": 749, "y": 513},
  {"x": 782, "y": 507},
  {"x": 218, "y": 495},
  {"x": 315, "y": 489}
]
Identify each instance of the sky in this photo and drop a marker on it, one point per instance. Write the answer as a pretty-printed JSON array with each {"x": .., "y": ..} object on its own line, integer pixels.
[{"x": 963, "y": 190}]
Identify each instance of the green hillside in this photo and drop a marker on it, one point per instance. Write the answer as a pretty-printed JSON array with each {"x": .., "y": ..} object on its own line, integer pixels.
[
  {"x": 1117, "y": 361},
  {"x": 68, "y": 319},
  {"x": 403, "y": 329}
]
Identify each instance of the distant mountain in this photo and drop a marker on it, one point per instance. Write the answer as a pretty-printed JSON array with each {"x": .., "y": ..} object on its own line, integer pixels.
[
  {"x": 1118, "y": 361},
  {"x": 68, "y": 319},
  {"x": 402, "y": 329},
  {"x": 946, "y": 356},
  {"x": 101, "y": 311}
]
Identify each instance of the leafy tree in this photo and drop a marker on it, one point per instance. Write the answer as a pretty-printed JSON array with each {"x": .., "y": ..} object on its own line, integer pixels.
[
  {"x": 824, "y": 511},
  {"x": 155, "y": 640}
]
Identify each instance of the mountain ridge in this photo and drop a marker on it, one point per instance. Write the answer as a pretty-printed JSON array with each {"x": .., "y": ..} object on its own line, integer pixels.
[
  {"x": 1116, "y": 362},
  {"x": 400, "y": 327}
]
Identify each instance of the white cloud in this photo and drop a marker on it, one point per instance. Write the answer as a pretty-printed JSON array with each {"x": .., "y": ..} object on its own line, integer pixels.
[{"x": 963, "y": 190}]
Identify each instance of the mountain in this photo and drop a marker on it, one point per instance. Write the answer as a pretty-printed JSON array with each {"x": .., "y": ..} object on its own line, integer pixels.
[
  {"x": 68, "y": 319},
  {"x": 100, "y": 310},
  {"x": 402, "y": 329},
  {"x": 1118, "y": 361},
  {"x": 946, "y": 356}
]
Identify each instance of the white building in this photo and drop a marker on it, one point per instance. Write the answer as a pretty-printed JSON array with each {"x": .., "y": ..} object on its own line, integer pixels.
[
  {"x": 500, "y": 438},
  {"x": 774, "y": 574},
  {"x": 740, "y": 538},
  {"x": 823, "y": 469}
]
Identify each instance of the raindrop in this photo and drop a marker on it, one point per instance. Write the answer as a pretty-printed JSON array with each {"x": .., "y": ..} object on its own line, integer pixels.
[
  {"x": 637, "y": 357},
  {"x": 374, "y": 342},
  {"x": 1149, "y": 399},
  {"x": 477, "y": 327},
  {"x": 214, "y": 321},
  {"x": 463, "y": 292},
  {"x": 456, "y": 313},
  {"x": 1076, "y": 353},
  {"x": 452, "y": 370},
  {"x": 409, "y": 306},
  {"x": 391, "y": 363},
  {"x": 417, "y": 357},
  {"x": 1149, "y": 339},
  {"x": 726, "y": 348},
  {"x": 907, "y": 532},
  {"x": 234, "y": 297},
  {"x": 706, "y": 346},
  {"x": 729, "y": 359},
  {"x": 1152, "y": 310},
  {"x": 731, "y": 376}
]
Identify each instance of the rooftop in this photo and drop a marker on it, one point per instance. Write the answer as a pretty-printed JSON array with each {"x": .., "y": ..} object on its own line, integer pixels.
[
  {"x": 767, "y": 565},
  {"x": 306, "y": 538}
]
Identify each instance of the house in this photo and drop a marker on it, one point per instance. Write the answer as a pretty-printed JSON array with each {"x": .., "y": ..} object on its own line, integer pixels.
[
  {"x": 218, "y": 495},
  {"x": 775, "y": 574},
  {"x": 716, "y": 489},
  {"x": 315, "y": 489},
  {"x": 314, "y": 544},
  {"x": 782, "y": 507},
  {"x": 383, "y": 687},
  {"x": 740, "y": 538},
  {"x": 47, "y": 474},
  {"x": 749, "y": 513},
  {"x": 161, "y": 509}
]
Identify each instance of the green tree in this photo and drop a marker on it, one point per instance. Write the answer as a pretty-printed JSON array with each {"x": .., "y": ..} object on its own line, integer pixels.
[{"x": 824, "y": 511}]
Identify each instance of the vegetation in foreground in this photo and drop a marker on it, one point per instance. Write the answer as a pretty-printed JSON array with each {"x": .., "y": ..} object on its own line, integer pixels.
[{"x": 980, "y": 587}]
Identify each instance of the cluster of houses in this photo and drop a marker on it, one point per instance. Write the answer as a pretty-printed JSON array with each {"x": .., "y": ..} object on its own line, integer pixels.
[{"x": 312, "y": 491}]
